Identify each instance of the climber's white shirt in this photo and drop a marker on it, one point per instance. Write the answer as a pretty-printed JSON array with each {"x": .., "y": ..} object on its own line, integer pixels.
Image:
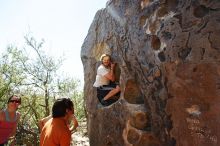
[{"x": 100, "y": 79}]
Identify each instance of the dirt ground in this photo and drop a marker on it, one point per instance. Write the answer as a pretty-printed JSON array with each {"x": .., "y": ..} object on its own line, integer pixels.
[{"x": 80, "y": 137}]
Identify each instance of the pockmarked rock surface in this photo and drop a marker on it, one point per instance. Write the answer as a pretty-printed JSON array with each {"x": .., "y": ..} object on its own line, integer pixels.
[{"x": 168, "y": 65}]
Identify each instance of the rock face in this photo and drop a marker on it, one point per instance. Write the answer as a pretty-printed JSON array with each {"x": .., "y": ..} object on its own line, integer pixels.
[{"x": 168, "y": 57}]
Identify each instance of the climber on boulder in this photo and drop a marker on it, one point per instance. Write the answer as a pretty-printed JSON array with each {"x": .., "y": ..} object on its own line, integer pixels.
[{"x": 107, "y": 89}]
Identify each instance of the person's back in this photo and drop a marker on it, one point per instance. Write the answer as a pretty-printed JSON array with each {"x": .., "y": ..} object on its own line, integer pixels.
[{"x": 55, "y": 133}]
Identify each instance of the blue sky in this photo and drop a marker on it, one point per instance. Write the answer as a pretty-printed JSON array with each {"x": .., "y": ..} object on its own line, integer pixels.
[{"x": 63, "y": 24}]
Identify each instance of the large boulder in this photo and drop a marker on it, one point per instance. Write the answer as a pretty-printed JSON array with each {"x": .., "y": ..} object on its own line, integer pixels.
[{"x": 168, "y": 65}]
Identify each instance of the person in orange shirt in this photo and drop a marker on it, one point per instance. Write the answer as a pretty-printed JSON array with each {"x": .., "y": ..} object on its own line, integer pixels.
[
  {"x": 74, "y": 121},
  {"x": 56, "y": 130}
]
